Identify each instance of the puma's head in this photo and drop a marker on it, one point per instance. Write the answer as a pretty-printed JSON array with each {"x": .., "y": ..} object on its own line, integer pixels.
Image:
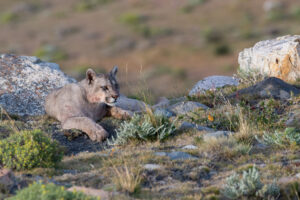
[{"x": 102, "y": 87}]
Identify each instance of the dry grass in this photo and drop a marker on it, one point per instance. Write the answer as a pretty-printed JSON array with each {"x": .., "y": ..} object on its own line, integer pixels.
[{"x": 127, "y": 178}]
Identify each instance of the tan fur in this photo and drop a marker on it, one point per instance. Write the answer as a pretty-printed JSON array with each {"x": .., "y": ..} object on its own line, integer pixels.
[{"x": 80, "y": 105}]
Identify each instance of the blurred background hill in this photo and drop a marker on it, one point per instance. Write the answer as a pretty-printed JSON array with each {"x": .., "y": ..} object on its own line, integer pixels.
[{"x": 162, "y": 47}]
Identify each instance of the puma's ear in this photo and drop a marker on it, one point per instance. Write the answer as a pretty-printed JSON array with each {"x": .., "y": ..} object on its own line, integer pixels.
[
  {"x": 90, "y": 75},
  {"x": 114, "y": 71}
]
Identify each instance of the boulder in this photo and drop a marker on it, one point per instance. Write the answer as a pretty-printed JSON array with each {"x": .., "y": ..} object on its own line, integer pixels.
[
  {"x": 213, "y": 83},
  {"x": 133, "y": 105},
  {"x": 25, "y": 82},
  {"x": 278, "y": 57},
  {"x": 269, "y": 88}
]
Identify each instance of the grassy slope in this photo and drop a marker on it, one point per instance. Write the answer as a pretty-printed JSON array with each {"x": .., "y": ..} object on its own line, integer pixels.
[{"x": 177, "y": 50}]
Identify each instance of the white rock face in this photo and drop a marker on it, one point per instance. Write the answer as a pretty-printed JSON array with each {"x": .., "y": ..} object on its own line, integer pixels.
[
  {"x": 25, "y": 82},
  {"x": 279, "y": 57},
  {"x": 212, "y": 83}
]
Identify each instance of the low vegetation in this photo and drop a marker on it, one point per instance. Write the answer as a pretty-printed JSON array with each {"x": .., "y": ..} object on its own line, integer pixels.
[
  {"x": 147, "y": 127},
  {"x": 249, "y": 185},
  {"x": 28, "y": 150},
  {"x": 49, "y": 191}
]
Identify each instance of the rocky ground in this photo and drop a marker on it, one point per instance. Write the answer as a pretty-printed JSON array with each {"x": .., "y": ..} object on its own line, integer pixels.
[{"x": 226, "y": 125}]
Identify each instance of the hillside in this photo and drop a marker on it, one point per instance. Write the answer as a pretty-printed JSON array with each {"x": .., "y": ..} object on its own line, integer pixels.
[{"x": 154, "y": 43}]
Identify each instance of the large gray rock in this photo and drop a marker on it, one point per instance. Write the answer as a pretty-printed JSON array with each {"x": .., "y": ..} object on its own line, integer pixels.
[
  {"x": 213, "y": 83},
  {"x": 26, "y": 81},
  {"x": 133, "y": 105},
  {"x": 269, "y": 88},
  {"x": 279, "y": 58}
]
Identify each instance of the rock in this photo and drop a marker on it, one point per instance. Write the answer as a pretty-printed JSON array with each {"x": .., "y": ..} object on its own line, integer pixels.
[
  {"x": 176, "y": 155},
  {"x": 160, "y": 154},
  {"x": 90, "y": 191},
  {"x": 7, "y": 180},
  {"x": 271, "y": 5},
  {"x": 212, "y": 83},
  {"x": 163, "y": 102},
  {"x": 188, "y": 125},
  {"x": 152, "y": 167},
  {"x": 25, "y": 82},
  {"x": 269, "y": 88},
  {"x": 164, "y": 112},
  {"x": 217, "y": 134},
  {"x": 279, "y": 58},
  {"x": 185, "y": 107},
  {"x": 294, "y": 117},
  {"x": 133, "y": 105},
  {"x": 190, "y": 147}
]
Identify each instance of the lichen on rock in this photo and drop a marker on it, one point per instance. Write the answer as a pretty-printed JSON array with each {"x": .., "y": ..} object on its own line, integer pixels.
[{"x": 25, "y": 81}]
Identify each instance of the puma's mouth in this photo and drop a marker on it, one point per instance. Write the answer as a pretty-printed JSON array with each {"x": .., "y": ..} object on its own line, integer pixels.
[{"x": 111, "y": 101}]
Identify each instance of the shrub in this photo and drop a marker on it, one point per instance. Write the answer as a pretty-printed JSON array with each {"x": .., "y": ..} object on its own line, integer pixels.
[
  {"x": 147, "y": 127},
  {"x": 49, "y": 192},
  {"x": 286, "y": 138},
  {"x": 29, "y": 149},
  {"x": 222, "y": 49},
  {"x": 8, "y": 17},
  {"x": 249, "y": 185}
]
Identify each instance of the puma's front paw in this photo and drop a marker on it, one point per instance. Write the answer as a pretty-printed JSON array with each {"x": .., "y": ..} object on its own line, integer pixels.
[
  {"x": 99, "y": 135},
  {"x": 126, "y": 114}
]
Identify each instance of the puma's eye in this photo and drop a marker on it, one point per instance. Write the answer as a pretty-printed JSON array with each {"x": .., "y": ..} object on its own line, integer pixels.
[{"x": 104, "y": 88}]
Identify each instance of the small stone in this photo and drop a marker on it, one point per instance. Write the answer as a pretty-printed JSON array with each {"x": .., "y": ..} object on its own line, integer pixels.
[
  {"x": 160, "y": 153},
  {"x": 7, "y": 180},
  {"x": 164, "y": 112},
  {"x": 152, "y": 167},
  {"x": 217, "y": 134},
  {"x": 188, "y": 125},
  {"x": 178, "y": 155},
  {"x": 213, "y": 83},
  {"x": 185, "y": 107},
  {"x": 190, "y": 147}
]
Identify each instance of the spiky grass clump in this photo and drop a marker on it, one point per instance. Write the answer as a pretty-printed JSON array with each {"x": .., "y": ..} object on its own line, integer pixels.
[
  {"x": 127, "y": 178},
  {"x": 288, "y": 137},
  {"x": 147, "y": 127},
  {"x": 249, "y": 185}
]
